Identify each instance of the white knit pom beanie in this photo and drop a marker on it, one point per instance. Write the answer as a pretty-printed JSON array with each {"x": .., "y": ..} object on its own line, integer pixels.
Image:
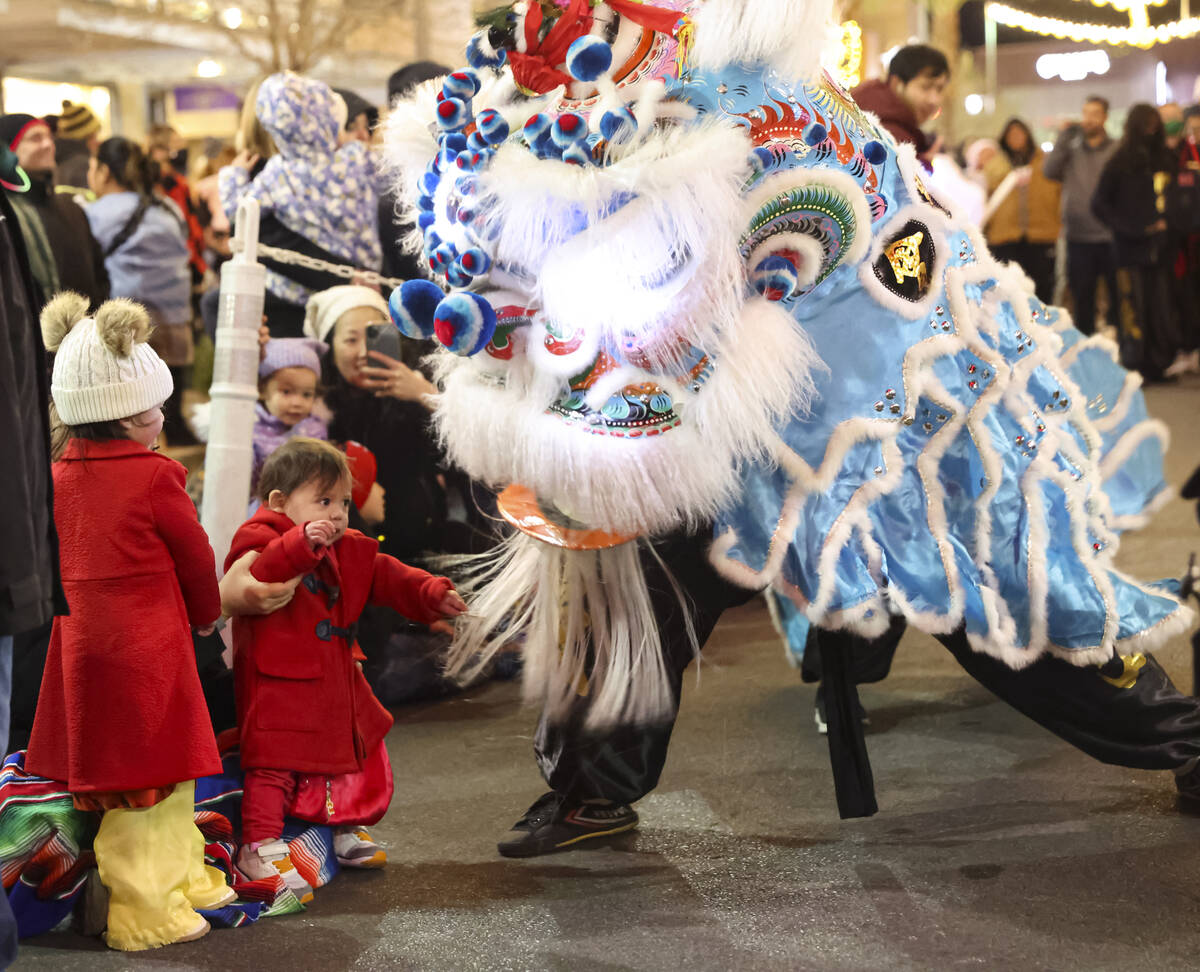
[{"x": 103, "y": 368}]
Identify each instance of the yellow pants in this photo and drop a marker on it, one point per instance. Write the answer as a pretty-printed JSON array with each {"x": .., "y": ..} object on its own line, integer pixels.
[{"x": 152, "y": 862}]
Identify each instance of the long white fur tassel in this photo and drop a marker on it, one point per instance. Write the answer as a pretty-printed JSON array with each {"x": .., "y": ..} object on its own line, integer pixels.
[
  {"x": 587, "y": 623},
  {"x": 787, "y": 35}
]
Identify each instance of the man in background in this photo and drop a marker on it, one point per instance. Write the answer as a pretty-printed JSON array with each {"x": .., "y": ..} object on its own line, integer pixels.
[
  {"x": 910, "y": 97},
  {"x": 1079, "y": 156}
]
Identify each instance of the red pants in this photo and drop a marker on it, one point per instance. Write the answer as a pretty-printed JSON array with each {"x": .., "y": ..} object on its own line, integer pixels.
[{"x": 267, "y": 793}]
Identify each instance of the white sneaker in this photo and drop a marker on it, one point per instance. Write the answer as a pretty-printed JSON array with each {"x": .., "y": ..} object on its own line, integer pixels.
[
  {"x": 355, "y": 848},
  {"x": 271, "y": 859},
  {"x": 1183, "y": 364}
]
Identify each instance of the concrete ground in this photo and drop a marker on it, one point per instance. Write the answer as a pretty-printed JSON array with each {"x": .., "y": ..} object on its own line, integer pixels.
[{"x": 996, "y": 847}]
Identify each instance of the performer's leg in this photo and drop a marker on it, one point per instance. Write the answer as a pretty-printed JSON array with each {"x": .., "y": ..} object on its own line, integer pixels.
[
  {"x": 623, "y": 764},
  {"x": 594, "y": 776},
  {"x": 1127, "y": 713},
  {"x": 1083, "y": 276}
]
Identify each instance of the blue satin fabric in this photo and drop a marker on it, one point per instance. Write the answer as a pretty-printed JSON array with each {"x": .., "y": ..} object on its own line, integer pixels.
[{"x": 863, "y": 339}]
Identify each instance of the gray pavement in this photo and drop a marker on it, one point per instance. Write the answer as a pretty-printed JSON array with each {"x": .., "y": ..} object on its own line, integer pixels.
[{"x": 996, "y": 846}]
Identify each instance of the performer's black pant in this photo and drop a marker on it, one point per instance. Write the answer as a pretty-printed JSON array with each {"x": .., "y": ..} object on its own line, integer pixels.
[
  {"x": 1149, "y": 725},
  {"x": 1036, "y": 259},
  {"x": 1087, "y": 265}
]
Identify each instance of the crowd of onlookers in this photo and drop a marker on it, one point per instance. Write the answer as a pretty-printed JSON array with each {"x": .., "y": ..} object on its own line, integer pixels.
[{"x": 1089, "y": 210}]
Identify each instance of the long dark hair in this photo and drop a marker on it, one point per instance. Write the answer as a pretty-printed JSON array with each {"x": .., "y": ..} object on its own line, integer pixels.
[
  {"x": 1144, "y": 140},
  {"x": 129, "y": 165},
  {"x": 1025, "y": 156}
]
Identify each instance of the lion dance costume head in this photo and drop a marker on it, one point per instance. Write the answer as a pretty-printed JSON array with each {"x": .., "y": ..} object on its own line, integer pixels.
[{"x": 683, "y": 282}]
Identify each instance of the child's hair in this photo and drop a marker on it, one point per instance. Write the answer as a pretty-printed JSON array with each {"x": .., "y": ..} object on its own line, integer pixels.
[
  {"x": 299, "y": 461},
  {"x": 129, "y": 165}
]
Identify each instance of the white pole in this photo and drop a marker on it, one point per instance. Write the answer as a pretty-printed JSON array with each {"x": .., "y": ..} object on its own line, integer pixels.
[{"x": 229, "y": 457}]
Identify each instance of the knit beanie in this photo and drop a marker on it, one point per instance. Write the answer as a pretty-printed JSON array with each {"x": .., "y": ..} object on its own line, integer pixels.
[
  {"x": 77, "y": 122},
  {"x": 103, "y": 369},
  {"x": 16, "y": 126},
  {"x": 292, "y": 353},
  {"x": 324, "y": 308}
]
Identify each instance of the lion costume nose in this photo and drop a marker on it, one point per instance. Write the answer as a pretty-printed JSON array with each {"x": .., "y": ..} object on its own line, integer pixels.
[{"x": 463, "y": 322}]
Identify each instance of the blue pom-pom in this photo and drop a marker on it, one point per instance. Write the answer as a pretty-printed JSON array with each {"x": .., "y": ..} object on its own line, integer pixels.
[
  {"x": 445, "y": 254},
  {"x": 453, "y": 140},
  {"x": 446, "y": 158},
  {"x": 453, "y": 114},
  {"x": 761, "y": 159},
  {"x": 472, "y": 161},
  {"x": 588, "y": 58},
  {"x": 618, "y": 125},
  {"x": 537, "y": 126},
  {"x": 816, "y": 134},
  {"x": 568, "y": 129},
  {"x": 465, "y": 185},
  {"x": 476, "y": 142},
  {"x": 464, "y": 323},
  {"x": 457, "y": 277},
  {"x": 874, "y": 152},
  {"x": 475, "y": 262},
  {"x": 492, "y": 126},
  {"x": 412, "y": 307},
  {"x": 481, "y": 54},
  {"x": 428, "y": 183},
  {"x": 425, "y": 220},
  {"x": 461, "y": 84},
  {"x": 577, "y": 154},
  {"x": 775, "y": 278}
]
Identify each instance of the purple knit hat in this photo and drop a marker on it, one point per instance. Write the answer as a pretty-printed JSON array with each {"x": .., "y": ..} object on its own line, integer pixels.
[{"x": 292, "y": 353}]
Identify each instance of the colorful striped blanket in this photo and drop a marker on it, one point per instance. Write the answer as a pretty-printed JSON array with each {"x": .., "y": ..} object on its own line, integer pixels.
[{"x": 46, "y": 849}]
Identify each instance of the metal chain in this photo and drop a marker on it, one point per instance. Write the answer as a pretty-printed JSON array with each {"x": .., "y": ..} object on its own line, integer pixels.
[{"x": 368, "y": 277}]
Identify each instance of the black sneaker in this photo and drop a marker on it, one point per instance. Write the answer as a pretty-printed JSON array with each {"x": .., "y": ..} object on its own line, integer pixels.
[
  {"x": 819, "y": 713},
  {"x": 1188, "y": 784},
  {"x": 552, "y": 824}
]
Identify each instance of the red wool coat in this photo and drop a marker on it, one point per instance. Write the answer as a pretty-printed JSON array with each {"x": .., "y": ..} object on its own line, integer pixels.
[
  {"x": 121, "y": 706},
  {"x": 303, "y": 705}
]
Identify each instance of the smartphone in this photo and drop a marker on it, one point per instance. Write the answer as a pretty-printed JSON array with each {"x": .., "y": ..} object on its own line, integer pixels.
[{"x": 384, "y": 338}]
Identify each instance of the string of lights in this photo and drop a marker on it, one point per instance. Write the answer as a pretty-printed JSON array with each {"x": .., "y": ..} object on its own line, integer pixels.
[{"x": 1139, "y": 33}]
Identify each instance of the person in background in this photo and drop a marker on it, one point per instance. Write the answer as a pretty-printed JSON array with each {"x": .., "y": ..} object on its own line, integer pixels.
[
  {"x": 63, "y": 254},
  {"x": 1172, "y": 118},
  {"x": 75, "y": 142},
  {"x": 288, "y": 380},
  {"x": 166, "y": 149},
  {"x": 30, "y": 589},
  {"x": 910, "y": 97},
  {"x": 977, "y": 156},
  {"x": 146, "y": 254},
  {"x": 1079, "y": 156},
  {"x": 361, "y": 117},
  {"x": 316, "y": 197},
  {"x": 1023, "y": 220},
  {"x": 1184, "y": 217},
  {"x": 1131, "y": 200}
]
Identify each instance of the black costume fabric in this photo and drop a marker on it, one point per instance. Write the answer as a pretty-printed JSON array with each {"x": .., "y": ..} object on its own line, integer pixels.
[{"x": 1148, "y": 725}]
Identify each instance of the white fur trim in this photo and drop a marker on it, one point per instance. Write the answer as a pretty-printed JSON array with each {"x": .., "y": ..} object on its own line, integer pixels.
[{"x": 785, "y": 35}]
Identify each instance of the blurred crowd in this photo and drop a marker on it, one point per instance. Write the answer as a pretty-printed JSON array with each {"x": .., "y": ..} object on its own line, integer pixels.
[{"x": 1106, "y": 225}]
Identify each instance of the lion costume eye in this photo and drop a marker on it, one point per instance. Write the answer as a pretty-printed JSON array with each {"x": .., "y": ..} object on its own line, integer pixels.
[{"x": 802, "y": 227}]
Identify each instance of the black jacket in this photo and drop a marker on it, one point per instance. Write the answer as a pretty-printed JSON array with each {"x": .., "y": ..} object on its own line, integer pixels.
[
  {"x": 30, "y": 589},
  {"x": 1127, "y": 202}
]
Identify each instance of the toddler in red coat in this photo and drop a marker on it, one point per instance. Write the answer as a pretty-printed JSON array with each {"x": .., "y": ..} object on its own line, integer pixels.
[
  {"x": 121, "y": 718},
  {"x": 304, "y": 707}
]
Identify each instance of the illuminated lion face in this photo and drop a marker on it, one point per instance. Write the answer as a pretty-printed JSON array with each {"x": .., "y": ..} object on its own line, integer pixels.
[{"x": 611, "y": 352}]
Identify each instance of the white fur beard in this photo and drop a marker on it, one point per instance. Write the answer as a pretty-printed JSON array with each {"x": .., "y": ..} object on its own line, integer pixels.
[{"x": 588, "y": 625}]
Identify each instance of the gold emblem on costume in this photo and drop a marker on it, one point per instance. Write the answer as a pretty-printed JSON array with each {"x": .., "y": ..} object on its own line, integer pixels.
[
  {"x": 1133, "y": 665},
  {"x": 905, "y": 257}
]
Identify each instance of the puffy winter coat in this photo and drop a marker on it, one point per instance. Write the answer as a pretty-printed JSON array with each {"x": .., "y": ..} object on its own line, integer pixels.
[
  {"x": 303, "y": 704},
  {"x": 121, "y": 706}
]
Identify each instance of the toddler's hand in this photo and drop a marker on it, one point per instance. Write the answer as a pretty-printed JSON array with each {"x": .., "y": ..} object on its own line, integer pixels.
[
  {"x": 319, "y": 533},
  {"x": 206, "y": 629},
  {"x": 451, "y": 605}
]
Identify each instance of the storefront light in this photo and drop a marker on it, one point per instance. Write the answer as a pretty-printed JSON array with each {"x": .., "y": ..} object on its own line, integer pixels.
[
  {"x": 208, "y": 68},
  {"x": 231, "y": 17},
  {"x": 1072, "y": 65},
  {"x": 973, "y": 104}
]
